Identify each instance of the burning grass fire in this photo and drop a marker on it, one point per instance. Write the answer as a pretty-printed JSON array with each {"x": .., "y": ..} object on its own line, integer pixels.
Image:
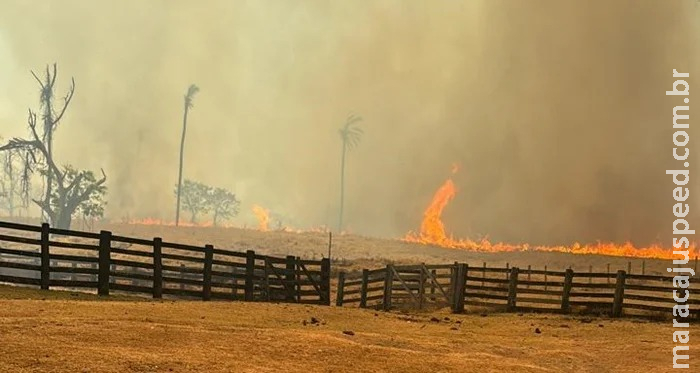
[
  {"x": 432, "y": 232},
  {"x": 263, "y": 216}
]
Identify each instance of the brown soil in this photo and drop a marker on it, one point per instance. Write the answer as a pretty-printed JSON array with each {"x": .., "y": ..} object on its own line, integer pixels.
[{"x": 62, "y": 332}]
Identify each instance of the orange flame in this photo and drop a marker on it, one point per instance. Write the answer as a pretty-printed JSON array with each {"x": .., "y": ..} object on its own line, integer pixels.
[
  {"x": 263, "y": 216},
  {"x": 432, "y": 232}
]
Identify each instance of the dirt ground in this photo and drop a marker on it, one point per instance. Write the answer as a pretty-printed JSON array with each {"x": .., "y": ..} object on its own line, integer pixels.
[{"x": 64, "y": 332}]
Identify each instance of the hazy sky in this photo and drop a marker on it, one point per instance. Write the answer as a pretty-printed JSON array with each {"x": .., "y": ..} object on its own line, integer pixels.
[{"x": 555, "y": 110}]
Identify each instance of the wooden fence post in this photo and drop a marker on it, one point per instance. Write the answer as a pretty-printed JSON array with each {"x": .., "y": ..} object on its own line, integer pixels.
[
  {"x": 268, "y": 266},
  {"x": 529, "y": 273},
  {"x": 363, "y": 289},
  {"x": 341, "y": 289},
  {"x": 464, "y": 292},
  {"x": 249, "y": 275},
  {"x": 513, "y": 288},
  {"x": 326, "y": 281},
  {"x": 183, "y": 274},
  {"x": 297, "y": 278},
  {"x": 290, "y": 278},
  {"x": 619, "y": 294},
  {"x": 157, "y": 268},
  {"x": 388, "y": 283},
  {"x": 208, "y": 259},
  {"x": 453, "y": 276},
  {"x": 432, "y": 285},
  {"x": 566, "y": 292},
  {"x": 45, "y": 257},
  {"x": 104, "y": 263},
  {"x": 451, "y": 283},
  {"x": 459, "y": 288},
  {"x": 421, "y": 286}
]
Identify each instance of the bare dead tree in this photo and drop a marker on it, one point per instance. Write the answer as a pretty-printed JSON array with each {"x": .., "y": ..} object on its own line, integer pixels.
[
  {"x": 189, "y": 96},
  {"x": 10, "y": 180},
  {"x": 62, "y": 195}
]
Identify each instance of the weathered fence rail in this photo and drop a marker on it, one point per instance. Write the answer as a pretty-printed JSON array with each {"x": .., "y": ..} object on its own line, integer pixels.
[
  {"x": 55, "y": 258},
  {"x": 514, "y": 290}
]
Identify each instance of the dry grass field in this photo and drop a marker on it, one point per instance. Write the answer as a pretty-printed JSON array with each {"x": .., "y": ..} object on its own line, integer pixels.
[
  {"x": 64, "y": 332},
  {"x": 356, "y": 252},
  {"x": 353, "y": 252}
]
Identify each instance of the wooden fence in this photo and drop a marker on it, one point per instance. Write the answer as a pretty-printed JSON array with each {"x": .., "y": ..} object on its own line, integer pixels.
[
  {"x": 55, "y": 258},
  {"x": 514, "y": 290}
]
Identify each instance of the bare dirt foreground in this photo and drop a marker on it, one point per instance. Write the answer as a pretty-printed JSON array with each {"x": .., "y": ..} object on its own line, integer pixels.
[{"x": 64, "y": 332}]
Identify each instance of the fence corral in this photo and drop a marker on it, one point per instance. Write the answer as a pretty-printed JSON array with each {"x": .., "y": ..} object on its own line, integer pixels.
[
  {"x": 511, "y": 289},
  {"x": 420, "y": 286},
  {"x": 54, "y": 258}
]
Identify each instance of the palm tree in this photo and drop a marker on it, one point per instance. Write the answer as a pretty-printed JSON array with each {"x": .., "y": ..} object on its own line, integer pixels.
[
  {"x": 350, "y": 134},
  {"x": 191, "y": 91}
]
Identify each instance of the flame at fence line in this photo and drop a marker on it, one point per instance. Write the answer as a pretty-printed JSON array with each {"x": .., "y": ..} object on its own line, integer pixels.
[{"x": 432, "y": 232}]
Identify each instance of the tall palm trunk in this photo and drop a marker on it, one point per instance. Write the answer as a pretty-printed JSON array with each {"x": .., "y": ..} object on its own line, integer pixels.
[
  {"x": 182, "y": 154},
  {"x": 342, "y": 188}
]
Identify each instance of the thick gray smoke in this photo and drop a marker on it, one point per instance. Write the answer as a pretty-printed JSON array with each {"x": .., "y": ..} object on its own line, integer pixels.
[{"x": 555, "y": 110}]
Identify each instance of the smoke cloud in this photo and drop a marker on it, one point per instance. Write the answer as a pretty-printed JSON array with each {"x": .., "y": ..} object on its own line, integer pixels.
[{"x": 554, "y": 110}]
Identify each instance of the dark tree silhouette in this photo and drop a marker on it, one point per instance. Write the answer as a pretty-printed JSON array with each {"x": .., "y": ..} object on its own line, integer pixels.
[
  {"x": 223, "y": 204},
  {"x": 92, "y": 205},
  {"x": 350, "y": 134},
  {"x": 189, "y": 96},
  {"x": 9, "y": 181},
  {"x": 15, "y": 182},
  {"x": 195, "y": 198},
  {"x": 66, "y": 189}
]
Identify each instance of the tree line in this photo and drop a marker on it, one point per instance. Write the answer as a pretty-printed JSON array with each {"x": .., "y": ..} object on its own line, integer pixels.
[
  {"x": 66, "y": 192},
  {"x": 200, "y": 199}
]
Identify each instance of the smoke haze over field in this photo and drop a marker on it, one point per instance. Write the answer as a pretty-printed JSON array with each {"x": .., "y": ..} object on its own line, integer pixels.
[{"x": 554, "y": 110}]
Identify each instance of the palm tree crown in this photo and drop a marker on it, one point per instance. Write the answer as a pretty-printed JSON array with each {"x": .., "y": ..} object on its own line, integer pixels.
[{"x": 350, "y": 133}]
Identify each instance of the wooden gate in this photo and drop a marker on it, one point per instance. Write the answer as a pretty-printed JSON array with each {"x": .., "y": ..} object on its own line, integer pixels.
[
  {"x": 296, "y": 281},
  {"x": 419, "y": 286}
]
